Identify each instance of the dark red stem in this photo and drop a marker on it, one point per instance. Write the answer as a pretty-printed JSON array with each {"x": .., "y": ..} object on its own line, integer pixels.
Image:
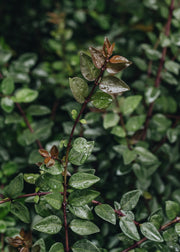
[{"x": 161, "y": 64}]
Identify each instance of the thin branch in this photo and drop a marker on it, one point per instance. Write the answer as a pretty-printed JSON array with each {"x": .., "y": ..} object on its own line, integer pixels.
[
  {"x": 176, "y": 220},
  {"x": 26, "y": 196},
  {"x": 27, "y": 123},
  {"x": 96, "y": 83},
  {"x": 161, "y": 64}
]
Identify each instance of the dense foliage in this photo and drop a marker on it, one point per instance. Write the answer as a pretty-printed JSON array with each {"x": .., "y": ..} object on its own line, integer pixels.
[{"x": 88, "y": 162}]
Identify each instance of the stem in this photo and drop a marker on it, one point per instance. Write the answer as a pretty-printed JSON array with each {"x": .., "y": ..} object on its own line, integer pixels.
[
  {"x": 96, "y": 83},
  {"x": 176, "y": 220},
  {"x": 161, "y": 64},
  {"x": 26, "y": 196},
  {"x": 27, "y": 123},
  {"x": 2, "y": 242}
]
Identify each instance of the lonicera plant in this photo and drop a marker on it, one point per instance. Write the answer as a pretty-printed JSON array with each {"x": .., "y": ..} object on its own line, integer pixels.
[{"x": 71, "y": 204}]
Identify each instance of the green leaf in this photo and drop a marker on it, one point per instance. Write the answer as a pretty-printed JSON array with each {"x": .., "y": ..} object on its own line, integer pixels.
[
  {"x": 172, "y": 209},
  {"x": 128, "y": 156},
  {"x": 49, "y": 225},
  {"x": 15, "y": 187},
  {"x": 130, "y": 104},
  {"x": 7, "y": 104},
  {"x": 82, "y": 180},
  {"x": 134, "y": 123},
  {"x": 41, "y": 244},
  {"x": 110, "y": 120},
  {"x": 118, "y": 131},
  {"x": 129, "y": 228},
  {"x": 38, "y": 110},
  {"x": 153, "y": 54},
  {"x": 83, "y": 227},
  {"x": 113, "y": 85},
  {"x": 145, "y": 156},
  {"x": 83, "y": 212},
  {"x": 101, "y": 100},
  {"x": 4, "y": 209},
  {"x": 28, "y": 59},
  {"x": 106, "y": 212},
  {"x": 48, "y": 182},
  {"x": 177, "y": 228},
  {"x": 130, "y": 199},
  {"x": 82, "y": 197},
  {"x": 84, "y": 246},
  {"x": 54, "y": 199},
  {"x": 9, "y": 168},
  {"x": 172, "y": 135},
  {"x": 20, "y": 211},
  {"x": 172, "y": 66},
  {"x": 25, "y": 95},
  {"x": 160, "y": 123},
  {"x": 81, "y": 151},
  {"x": 170, "y": 236},
  {"x": 79, "y": 89},
  {"x": 7, "y": 86},
  {"x": 56, "y": 169},
  {"x": 152, "y": 94},
  {"x": 150, "y": 232},
  {"x": 13, "y": 118},
  {"x": 157, "y": 218},
  {"x": 88, "y": 70},
  {"x": 140, "y": 63},
  {"x": 57, "y": 247},
  {"x": 3, "y": 226},
  {"x": 5, "y": 55}
]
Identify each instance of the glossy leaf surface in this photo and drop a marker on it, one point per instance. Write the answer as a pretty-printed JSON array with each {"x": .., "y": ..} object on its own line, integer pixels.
[
  {"x": 79, "y": 89},
  {"x": 150, "y": 231},
  {"x": 113, "y": 85},
  {"x": 84, "y": 246},
  {"x": 130, "y": 199},
  {"x": 82, "y": 197},
  {"x": 82, "y": 180},
  {"x": 20, "y": 211},
  {"x": 106, "y": 212},
  {"x": 49, "y": 225},
  {"x": 129, "y": 228},
  {"x": 83, "y": 227}
]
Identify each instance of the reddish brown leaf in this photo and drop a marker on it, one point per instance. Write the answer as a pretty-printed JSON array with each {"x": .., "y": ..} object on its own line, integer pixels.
[
  {"x": 43, "y": 153},
  {"x": 24, "y": 249},
  {"x": 22, "y": 233},
  {"x": 39, "y": 164},
  {"x": 110, "y": 50},
  {"x": 46, "y": 160},
  {"x": 118, "y": 59},
  {"x": 97, "y": 57},
  {"x": 54, "y": 152},
  {"x": 15, "y": 242},
  {"x": 116, "y": 68}
]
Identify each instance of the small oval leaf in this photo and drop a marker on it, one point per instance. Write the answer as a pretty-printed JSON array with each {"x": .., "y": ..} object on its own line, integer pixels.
[
  {"x": 129, "y": 228},
  {"x": 151, "y": 232},
  {"x": 83, "y": 227},
  {"x": 130, "y": 199},
  {"x": 82, "y": 180},
  {"x": 79, "y": 89},
  {"x": 106, "y": 212},
  {"x": 88, "y": 70},
  {"x": 113, "y": 85},
  {"x": 49, "y": 225},
  {"x": 84, "y": 246}
]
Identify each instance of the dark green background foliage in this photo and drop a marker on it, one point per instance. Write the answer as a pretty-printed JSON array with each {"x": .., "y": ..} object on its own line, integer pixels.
[{"x": 130, "y": 142}]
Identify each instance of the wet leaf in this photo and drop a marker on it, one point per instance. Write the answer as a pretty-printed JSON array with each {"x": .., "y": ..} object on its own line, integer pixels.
[
  {"x": 106, "y": 212},
  {"x": 82, "y": 180},
  {"x": 110, "y": 120},
  {"x": 7, "y": 86},
  {"x": 44, "y": 153},
  {"x": 25, "y": 95},
  {"x": 101, "y": 100},
  {"x": 49, "y": 225},
  {"x": 84, "y": 246},
  {"x": 83, "y": 227},
  {"x": 83, "y": 212},
  {"x": 79, "y": 89},
  {"x": 7, "y": 104},
  {"x": 81, "y": 151},
  {"x": 54, "y": 151},
  {"x": 30, "y": 177},
  {"x": 82, "y": 197},
  {"x": 113, "y": 85},
  {"x": 130, "y": 199},
  {"x": 88, "y": 70},
  {"x": 15, "y": 187},
  {"x": 150, "y": 232},
  {"x": 57, "y": 247},
  {"x": 20, "y": 211},
  {"x": 177, "y": 228},
  {"x": 172, "y": 209},
  {"x": 54, "y": 199},
  {"x": 97, "y": 57},
  {"x": 129, "y": 228},
  {"x": 54, "y": 169}
]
